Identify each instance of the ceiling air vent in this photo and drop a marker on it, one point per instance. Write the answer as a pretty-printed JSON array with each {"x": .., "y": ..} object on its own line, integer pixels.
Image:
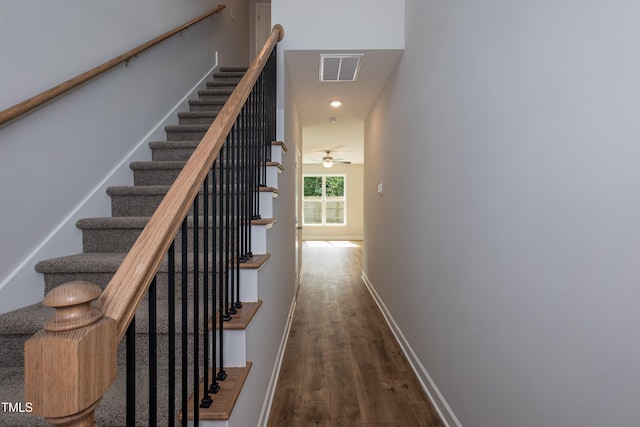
[{"x": 340, "y": 67}]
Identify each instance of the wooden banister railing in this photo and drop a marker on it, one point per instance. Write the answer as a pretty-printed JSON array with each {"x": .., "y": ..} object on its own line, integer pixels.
[
  {"x": 46, "y": 96},
  {"x": 122, "y": 297},
  {"x": 86, "y": 346}
]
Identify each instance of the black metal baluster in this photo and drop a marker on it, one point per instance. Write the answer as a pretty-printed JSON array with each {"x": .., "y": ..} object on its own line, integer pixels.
[
  {"x": 244, "y": 203},
  {"x": 263, "y": 124},
  {"x": 131, "y": 373},
  {"x": 171, "y": 280},
  {"x": 232, "y": 212},
  {"x": 153, "y": 355},
  {"x": 184, "y": 327},
  {"x": 214, "y": 387},
  {"x": 237, "y": 216},
  {"x": 256, "y": 155},
  {"x": 249, "y": 172},
  {"x": 228, "y": 190},
  {"x": 196, "y": 312},
  {"x": 206, "y": 399},
  {"x": 221, "y": 375}
]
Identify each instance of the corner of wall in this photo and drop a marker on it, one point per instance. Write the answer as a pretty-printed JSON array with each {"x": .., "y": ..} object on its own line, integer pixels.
[{"x": 437, "y": 399}]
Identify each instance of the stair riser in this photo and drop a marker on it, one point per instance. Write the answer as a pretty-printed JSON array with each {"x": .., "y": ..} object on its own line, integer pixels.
[
  {"x": 148, "y": 177},
  {"x": 223, "y": 78},
  {"x": 171, "y": 154},
  {"x": 12, "y": 350},
  {"x": 155, "y": 176},
  {"x": 184, "y": 135},
  {"x": 122, "y": 239},
  {"x": 214, "y": 95},
  {"x": 136, "y": 205},
  {"x": 209, "y": 105},
  {"x": 102, "y": 279},
  {"x": 187, "y": 120},
  {"x": 127, "y": 206},
  {"x": 221, "y": 85},
  {"x": 187, "y": 134},
  {"x": 235, "y": 347},
  {"x": 162, "y": 343}
]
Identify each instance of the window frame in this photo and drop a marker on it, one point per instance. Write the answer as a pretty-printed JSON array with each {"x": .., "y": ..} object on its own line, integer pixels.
[{"x": 323, "y": 200}]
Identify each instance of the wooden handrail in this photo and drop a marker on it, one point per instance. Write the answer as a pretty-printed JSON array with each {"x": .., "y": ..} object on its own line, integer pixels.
[
  {"x": 46, "y": 96},
  {"x": 125, "y": 291}
]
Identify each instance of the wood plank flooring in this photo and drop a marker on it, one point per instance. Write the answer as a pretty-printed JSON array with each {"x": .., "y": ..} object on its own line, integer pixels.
[{"x": 342, "y": 365}]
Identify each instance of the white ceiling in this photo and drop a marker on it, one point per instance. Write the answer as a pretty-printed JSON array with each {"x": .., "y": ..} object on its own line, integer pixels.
[{"x": 346, "y": 136}]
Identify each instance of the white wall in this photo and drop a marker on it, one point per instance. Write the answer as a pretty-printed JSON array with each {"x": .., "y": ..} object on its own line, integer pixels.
[
  {"x": 338, "y": 24},
  {"x": 352, "y": 230},
  {"x": 56, "y": 161},
  {"x": 506, "y": 243}
]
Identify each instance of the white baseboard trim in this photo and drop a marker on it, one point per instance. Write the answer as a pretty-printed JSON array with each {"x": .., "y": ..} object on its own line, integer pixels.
[
  {"x": 273, "y": 381},
  {"x": 438, "y": 401}
]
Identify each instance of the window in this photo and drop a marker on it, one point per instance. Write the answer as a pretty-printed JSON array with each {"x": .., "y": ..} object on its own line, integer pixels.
[{"x": 324, "y": 200}]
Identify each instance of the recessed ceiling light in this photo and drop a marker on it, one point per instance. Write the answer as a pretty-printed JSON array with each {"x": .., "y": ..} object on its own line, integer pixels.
[{"x": 336, "y": 104}]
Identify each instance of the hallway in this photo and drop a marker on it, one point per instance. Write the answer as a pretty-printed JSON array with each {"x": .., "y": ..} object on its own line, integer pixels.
[{"x": 342, "y": 365}]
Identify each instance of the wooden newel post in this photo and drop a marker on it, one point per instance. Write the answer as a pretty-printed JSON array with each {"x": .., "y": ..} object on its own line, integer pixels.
[{"x": 72, "y": 362}]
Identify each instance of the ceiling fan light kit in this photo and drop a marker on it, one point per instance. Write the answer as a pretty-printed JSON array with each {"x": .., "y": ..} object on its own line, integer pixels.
[{"x": 327, "y": 161}]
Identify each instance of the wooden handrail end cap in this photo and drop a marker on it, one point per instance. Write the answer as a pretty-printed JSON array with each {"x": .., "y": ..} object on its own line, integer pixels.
[{"x": 280, "y": 28}]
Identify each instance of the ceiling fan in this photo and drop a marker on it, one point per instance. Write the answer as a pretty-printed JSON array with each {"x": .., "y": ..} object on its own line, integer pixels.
[{"x": 328, "y": 161}]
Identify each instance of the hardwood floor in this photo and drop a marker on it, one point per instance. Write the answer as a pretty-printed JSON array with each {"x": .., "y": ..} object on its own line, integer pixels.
[{"x": 342, "y": 365}]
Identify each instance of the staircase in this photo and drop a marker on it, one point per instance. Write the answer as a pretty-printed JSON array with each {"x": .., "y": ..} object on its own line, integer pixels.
[{"x": 106, "y": 241}]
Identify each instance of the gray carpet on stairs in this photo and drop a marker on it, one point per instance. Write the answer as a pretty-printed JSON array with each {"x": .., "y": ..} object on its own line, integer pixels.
[{"x": 104, "y": 253}]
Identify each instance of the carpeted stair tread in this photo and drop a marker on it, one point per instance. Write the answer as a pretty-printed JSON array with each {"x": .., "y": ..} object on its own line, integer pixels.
[
  {"x": 157, "y": 165},
  {"x": 129, "y": 222},
  {"x": 109, "y": 222},
  {"x": 140, "y": 190},
  {"x": 175, "y": 144},
  {"x": 197, "y": 117},
  {"x": 106, "y": 262},
  {"x": 197, "y": 114},
  {"x": 206, "y": 104},
  {"x": 171, "y": 164},
  {"x": 187, "y": 128},
  {"x": 143, "y": 190}
]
